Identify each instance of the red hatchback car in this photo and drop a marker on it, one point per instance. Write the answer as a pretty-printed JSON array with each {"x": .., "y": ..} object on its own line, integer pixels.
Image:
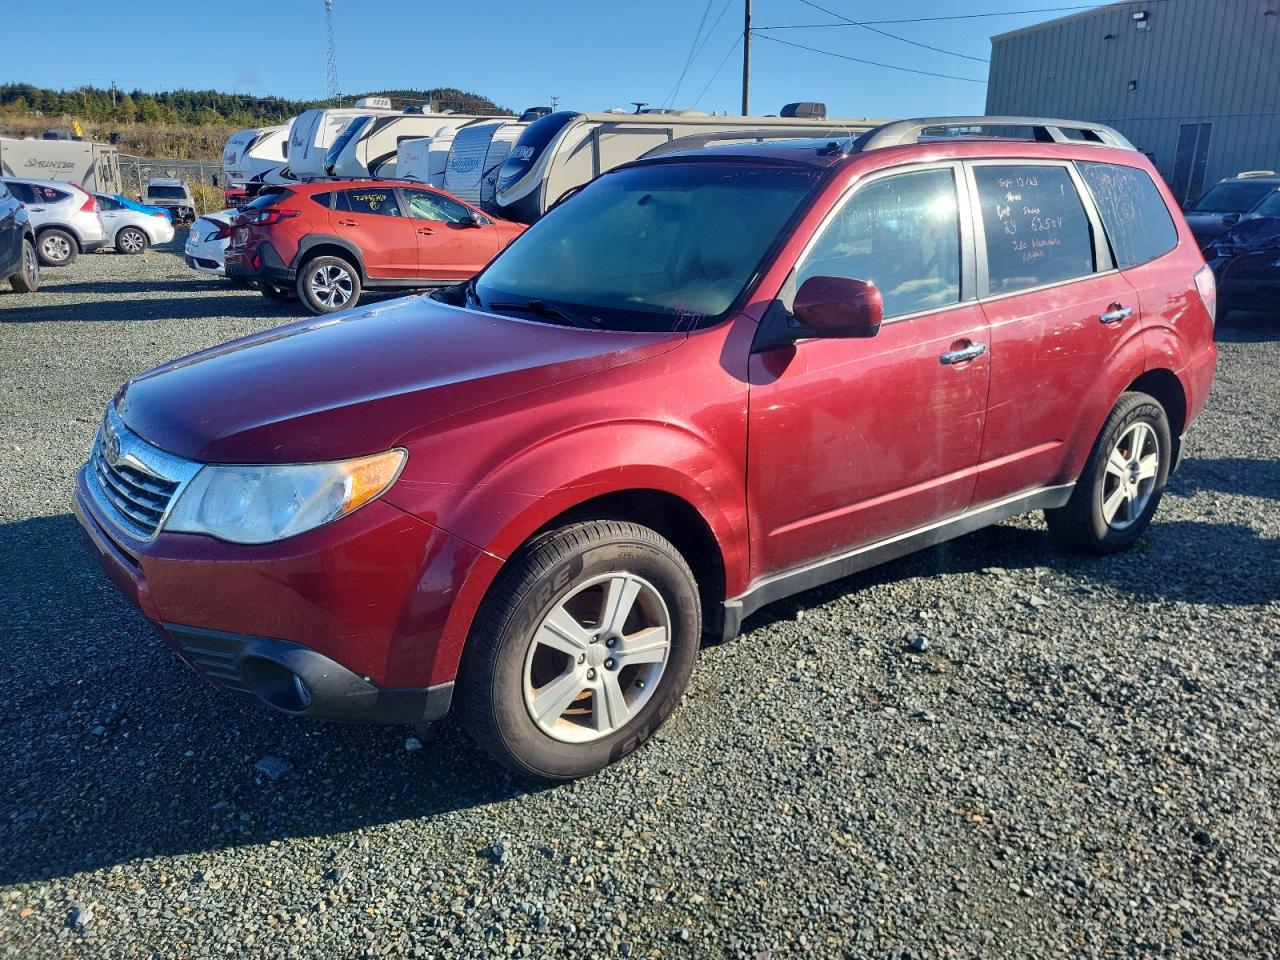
[
  {"x": 707, "y": 381},
  {"x": 327, "y": 240}
]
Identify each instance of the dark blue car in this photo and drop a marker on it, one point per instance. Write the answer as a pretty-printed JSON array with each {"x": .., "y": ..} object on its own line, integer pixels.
[{"x": 1246, "y": 263}]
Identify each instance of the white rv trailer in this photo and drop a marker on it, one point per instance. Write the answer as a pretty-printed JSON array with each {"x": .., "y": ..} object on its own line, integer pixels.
[
  {"x": 367, "y": 146},
  {"x": 314, "y": 132},
  {"x": 422, "y": 160},
  {"x": 564, "y": 150},
  {"x": 478, "y": 151},
  {"x": 94, "y": 166},
  {"x": 256, "y": 156}
]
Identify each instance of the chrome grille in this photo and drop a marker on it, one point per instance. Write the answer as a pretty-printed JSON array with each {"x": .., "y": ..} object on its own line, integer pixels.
[{"x": 135, "y": 482}]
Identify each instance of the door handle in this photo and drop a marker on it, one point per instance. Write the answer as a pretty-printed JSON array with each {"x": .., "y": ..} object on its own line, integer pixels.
[
  {"x": 347, "y": 223},
  {"x": 426, "y": 231},
  {"x": 1116, "y": 313},
  {"x": 963, "y": 355}
]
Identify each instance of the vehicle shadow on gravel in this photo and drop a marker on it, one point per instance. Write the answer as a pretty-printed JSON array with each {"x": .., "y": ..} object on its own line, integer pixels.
[
  {"x": 1181, "y": 561},
  {"x": 131, "y": 305},
  {"x": 115, "y": 751},
  {"x": 1241, "y": 476},
  {"x": 1248, "y": 327}
]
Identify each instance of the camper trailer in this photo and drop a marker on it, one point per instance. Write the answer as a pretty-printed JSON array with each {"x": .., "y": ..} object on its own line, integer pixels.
[
  {"x": 368, "y": 145},
  {"x": 314, "y": 131},
  {"x": 422, "y": 160},
  {"x": 255, "y": 157},
  {"x": 478, "y": 151},
  {"x": 94, "y": 166},
  {"x": 564, "y": 150}
]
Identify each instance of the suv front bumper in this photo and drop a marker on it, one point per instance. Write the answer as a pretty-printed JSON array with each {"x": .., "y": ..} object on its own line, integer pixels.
[{"x": 342, "y": 622}]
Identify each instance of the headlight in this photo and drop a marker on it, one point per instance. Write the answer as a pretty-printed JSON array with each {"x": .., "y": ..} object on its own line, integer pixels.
[{"x": 261, "y": 504}]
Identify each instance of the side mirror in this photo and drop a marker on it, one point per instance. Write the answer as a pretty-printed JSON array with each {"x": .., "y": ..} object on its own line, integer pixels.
[
  {"x": 472, "y": 219},
  {"x": 839, "y": 307}
]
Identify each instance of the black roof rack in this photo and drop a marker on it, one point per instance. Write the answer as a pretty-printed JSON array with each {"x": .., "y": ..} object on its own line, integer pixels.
[{"x": 902, "y": 132}]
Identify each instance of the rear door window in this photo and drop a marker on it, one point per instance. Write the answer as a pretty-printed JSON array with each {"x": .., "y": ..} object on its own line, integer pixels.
[
  {"x": 45, "y": 194},
  {"x": 901, "y": 233},
  {"x": 1036, "y": 228},
  {"x": 1133, "y": 212},
  {"x": 379, "y": 200}
]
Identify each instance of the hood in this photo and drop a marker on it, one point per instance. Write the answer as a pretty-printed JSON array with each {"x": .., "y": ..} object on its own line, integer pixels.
[
  {"x": 1210, "y": 226},
  {"x": 356, "y": 383}
]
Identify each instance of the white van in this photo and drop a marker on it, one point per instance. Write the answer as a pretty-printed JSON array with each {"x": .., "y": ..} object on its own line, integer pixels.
[
  {"x": 477, "y": 153},
  {"x": 564, "y": 150}
]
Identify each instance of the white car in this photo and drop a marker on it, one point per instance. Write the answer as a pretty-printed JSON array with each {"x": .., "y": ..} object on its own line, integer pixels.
[
  {"x": 207, "y": 241},
  {"x": 64, "y": 217},
  {"x": 130, "y": 230}
]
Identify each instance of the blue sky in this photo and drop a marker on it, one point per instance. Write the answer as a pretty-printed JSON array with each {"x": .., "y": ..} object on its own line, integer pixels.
[{"x": 591, "y": 54}]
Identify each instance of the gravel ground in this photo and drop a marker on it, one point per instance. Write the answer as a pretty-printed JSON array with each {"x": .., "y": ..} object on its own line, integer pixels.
[{"x": 989, "y": 749}]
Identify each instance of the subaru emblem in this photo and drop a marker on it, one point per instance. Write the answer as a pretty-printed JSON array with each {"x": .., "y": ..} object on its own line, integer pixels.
[{"x": 111, "y": 446}]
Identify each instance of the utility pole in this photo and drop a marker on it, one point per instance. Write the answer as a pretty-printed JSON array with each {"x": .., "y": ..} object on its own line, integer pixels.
[
  {"x": 113, "y": 94},
  {"x": 555, "y": 102},
  {"x": 746, "y": 60}
]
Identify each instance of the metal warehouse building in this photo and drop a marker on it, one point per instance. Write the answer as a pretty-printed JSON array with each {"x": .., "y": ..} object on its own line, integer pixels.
[{"x": 1194, "y": 84}]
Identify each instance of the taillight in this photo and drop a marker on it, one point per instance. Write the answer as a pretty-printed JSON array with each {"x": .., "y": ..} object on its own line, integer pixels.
[
  {"x": 1208, "y": 289},
  {"x": 224, "y": 231},
  {"x": 90, "y": 205},
  {"x": 265, "y": 218},
  {"x": 160, "y": 213}
]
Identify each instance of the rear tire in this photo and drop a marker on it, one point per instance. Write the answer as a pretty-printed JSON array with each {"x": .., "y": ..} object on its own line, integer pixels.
[
  {"x": 57, "y": 248},
  {"x": 582, "y": 648},
  {"x": 328, "y": 284},
  {"x": 131, "y": 240},
  {"x": 1122, "y": 481},
  {"x": 27, "y": 279}
]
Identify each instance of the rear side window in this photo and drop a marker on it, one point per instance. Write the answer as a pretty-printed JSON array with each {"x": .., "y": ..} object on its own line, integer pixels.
[
  {"x": 379, "y": 200},
  {"x": 48, "y": 194},
  {"x": 901, "y": 233},
  {"x": 1037, "y": 231},
  {"x": 322, "y": 199},
  {"x": 1133, "y": 212}
]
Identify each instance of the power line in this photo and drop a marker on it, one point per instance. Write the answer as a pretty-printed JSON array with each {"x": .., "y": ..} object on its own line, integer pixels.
[
  {"x": 872, "y": 63},
  {"x": 953, "y": 16},
  {"x": 892, "y": 36},
  {"x": 706, "y": 11},
  {"x": 728, "y": 53}
]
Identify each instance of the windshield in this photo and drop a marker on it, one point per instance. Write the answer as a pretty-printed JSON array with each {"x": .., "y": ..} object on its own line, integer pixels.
[
  {"x": 1270, "y": 207},
  {"x": 167, "y": 193},
  {"x": 1232, "y": 196},
  {"x": 346, "y": 136},
  {"x": 655, "y": 247}
]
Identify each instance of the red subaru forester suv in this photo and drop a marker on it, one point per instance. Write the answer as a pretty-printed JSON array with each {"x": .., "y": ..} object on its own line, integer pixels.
[
  {"x": 709, "y": 380},
  {"x": 328, "y": 240}
]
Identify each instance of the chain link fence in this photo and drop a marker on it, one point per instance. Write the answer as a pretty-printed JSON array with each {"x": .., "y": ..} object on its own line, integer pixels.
[{"x": 203, "y": 177}]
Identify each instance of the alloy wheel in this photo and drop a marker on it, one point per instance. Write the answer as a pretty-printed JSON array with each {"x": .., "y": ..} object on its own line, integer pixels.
[
  {"x": 597, "y": 657},
  {"x": 56, "y": 248},
  {"x": 331, "y": 285},
  {"x": 1130, "y": 475},
  {"x": 30, "y": 264},
  {"x": 131, "y": 241}
]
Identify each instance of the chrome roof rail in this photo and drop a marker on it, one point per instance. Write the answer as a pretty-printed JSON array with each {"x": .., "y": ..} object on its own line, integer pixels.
[{"x": 902, "y": 132}]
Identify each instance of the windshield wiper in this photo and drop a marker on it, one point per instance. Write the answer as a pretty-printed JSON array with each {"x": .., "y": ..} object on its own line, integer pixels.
[{"x": 550, "y": 311}]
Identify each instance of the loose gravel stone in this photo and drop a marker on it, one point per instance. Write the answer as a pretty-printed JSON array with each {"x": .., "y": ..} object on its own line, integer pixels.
[{"x": 1093, "y": 776}]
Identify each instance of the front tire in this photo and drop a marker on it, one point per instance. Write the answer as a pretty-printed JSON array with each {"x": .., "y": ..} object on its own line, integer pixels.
[
  {"x": 131, "y": 240},
  {"x": 57, "y": 248},
  {"x": 1122, "y": 481},
  {"x": 27, "y": 279},
  {"x": 328, "y": 284},
  {"x": 582, "y": 649}
]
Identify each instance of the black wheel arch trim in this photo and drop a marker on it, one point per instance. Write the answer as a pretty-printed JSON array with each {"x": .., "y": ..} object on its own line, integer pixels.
[{"x": 312, "y": 240}]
